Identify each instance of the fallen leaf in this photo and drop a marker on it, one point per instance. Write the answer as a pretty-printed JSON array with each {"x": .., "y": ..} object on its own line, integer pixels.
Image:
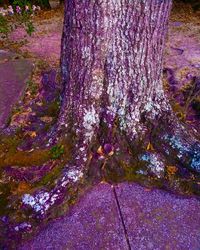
[
  {"x": 28, "y": 93},
  {"x": 100, "y": 151},
  {"x": 111, "y": 153},
  {"x": 2, "y": 154},
  {"x": 46, "y": 119},
  {"x": 150, "y": 147},
  {"x": 39, "y": 103},
  {"x": 172, "y": 169},
  {"x": 23, "y": 187},
  {"x": 33, "y": 134}
]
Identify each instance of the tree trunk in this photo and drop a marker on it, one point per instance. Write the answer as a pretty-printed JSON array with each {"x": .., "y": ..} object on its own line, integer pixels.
[
  {"x": 111, "y": 62},
  {"x": 113, "y": 101}
]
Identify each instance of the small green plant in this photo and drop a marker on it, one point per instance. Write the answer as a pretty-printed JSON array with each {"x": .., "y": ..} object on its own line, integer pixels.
[
  {"x": 29, "y": 28},
  {"x": 20, "y": 18},
  {"x": 4, "y": 27},
  {"x": 32, "y": 87},
  {"x": 25, "y": 20},
  {"x": 21, "y": 3},
  {"x": 57, "y": 151}
]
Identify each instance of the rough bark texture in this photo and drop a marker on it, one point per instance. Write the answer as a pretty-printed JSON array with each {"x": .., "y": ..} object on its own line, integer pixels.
[
  {"x": 111, "y": 66},
  {"x": 112, "y": 62}
]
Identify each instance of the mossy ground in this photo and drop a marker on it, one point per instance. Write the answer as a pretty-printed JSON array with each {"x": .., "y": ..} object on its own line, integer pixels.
[
  {"x": 11, "y": 156},
  {"x": 138, "y": 171}
]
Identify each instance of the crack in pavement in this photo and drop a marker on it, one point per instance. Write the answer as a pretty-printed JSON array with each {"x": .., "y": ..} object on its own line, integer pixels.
[{"x": 121, "y": 217}]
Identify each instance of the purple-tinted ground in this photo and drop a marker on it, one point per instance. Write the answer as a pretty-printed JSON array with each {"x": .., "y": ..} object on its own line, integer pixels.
[
  {"x": 45, "y": 43},
  {"x": 14, "y": 73},
  {"x": 159, "y": 220},
  {"x": 102, "y": 220}
]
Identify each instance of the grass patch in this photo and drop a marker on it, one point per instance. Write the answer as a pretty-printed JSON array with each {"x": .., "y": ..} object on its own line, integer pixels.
[
  {"x": 4, "y": 27},
  {"x": 49, "y": 178},
  {"x": 32, "y": 87},
  {"x": 57, "y": 151}
]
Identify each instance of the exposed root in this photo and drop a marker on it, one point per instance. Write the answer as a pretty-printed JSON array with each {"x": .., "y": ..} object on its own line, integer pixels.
[
  {"x": 178, "y": 144},
  {"x": 113, "y": 158}
]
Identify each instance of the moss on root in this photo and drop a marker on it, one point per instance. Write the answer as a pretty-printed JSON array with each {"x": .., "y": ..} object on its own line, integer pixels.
[
  {"x": 49, "y": 179},
  {"x": 11, "y": 156},
  {"x": 173, "y": 183},
  {"x": 136, "y": 170}
]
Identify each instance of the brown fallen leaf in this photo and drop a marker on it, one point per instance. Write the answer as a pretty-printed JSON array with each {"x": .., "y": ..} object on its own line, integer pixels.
[
  {"x": 39, "y": 104},
  {"x": 150, "y": 147},
  {"x": 111, "y": 153},
  {"x": 100, "y": 151},
  {"x": 46, "y": 119},
  {"x": 171, "y": 170},
  {"x": 32, "y": 134},
  {"x": 23, "y": 187}
]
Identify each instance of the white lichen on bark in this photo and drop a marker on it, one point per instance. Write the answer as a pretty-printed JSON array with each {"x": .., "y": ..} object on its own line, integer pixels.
[{"x": 113, "y": 49}]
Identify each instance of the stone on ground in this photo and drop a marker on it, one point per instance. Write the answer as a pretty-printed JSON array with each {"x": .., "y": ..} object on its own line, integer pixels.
[{"x": 14, "y": 72}]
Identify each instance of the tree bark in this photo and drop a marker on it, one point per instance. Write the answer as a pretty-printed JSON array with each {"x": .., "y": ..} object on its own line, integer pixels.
[
  {"x": 112, "y": 56},
  {"x": 111, "y": 63}
]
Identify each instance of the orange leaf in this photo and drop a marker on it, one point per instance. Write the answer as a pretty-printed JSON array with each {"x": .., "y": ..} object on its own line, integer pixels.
[
  {"x": 100, "y": 150},
  {"x": 172, "y": 169},
  {"x": 32, "y": 134},
  {"x": 150, "y": 147},
  {"x": 111, "y": 153},
  {"x": 23, "y": 187}
]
